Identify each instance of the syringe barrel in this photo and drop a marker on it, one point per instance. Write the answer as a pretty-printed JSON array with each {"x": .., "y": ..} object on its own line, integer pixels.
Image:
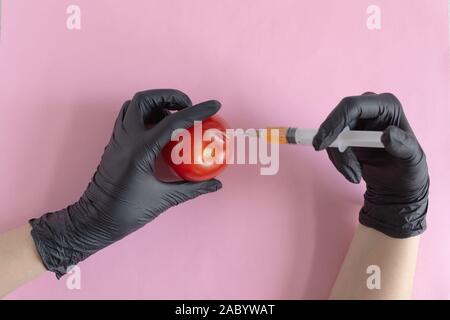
[
  {"x": 347, "y": 138},
  {"x": 359, "y": 138}
]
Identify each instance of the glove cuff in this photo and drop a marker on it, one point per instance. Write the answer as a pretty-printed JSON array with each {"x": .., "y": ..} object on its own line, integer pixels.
[
  {"x": 57, "y": 255},
  {"x": 396, "y": 221}
]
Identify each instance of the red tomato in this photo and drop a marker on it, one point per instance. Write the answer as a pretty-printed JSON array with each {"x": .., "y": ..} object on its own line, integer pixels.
[{"x": 204, "y": 157}]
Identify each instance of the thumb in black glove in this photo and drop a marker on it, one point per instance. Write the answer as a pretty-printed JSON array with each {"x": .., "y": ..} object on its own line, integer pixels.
[
  {"x": 124, "y": 193},
  {"x": 396, "y": 200}
]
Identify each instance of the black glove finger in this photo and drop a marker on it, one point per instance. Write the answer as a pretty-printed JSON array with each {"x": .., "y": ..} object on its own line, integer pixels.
[
  {"x": 193, "y": 189},
  {"x": 383, "y": 108},
  {"x": 402, "y": 144},
  {"x": 181, "y": 191},
  {"x": 147, "y": 107},
  {"x": 121, "y": 116},
  {"x": 346, "y": 163},
  {"x": 182, "y": 119}
]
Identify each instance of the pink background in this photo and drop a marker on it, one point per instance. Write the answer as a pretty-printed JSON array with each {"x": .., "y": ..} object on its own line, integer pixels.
[{"x": 270, "y": 63}]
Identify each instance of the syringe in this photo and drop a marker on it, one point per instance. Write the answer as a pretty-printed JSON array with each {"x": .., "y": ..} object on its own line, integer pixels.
[{"x": 347, "y": 138}]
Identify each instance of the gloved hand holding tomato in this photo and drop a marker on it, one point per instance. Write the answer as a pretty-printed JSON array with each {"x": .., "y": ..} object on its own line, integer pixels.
[{"x": 124, "y": 193}]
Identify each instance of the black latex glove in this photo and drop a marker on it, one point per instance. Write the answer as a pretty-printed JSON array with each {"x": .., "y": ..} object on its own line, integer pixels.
[
  {"x": 124, "y": 193},
  {"x": 396, "y": 199}
]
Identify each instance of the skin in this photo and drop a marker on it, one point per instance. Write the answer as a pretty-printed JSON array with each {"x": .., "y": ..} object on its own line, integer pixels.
[
  {"x": 19, "y": 261},
  {"x": 396, "y": 259}
]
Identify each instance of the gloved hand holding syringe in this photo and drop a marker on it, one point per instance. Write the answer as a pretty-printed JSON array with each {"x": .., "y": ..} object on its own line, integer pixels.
[
  {"x": 387, "y": 157},
  {"x": 347, "y": 138}
]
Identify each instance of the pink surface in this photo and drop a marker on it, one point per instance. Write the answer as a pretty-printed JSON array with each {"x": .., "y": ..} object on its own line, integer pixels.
[{"x": 269, "y": 63}]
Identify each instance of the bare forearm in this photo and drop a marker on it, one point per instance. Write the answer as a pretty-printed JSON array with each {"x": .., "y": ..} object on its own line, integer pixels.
[
  {"x": 19, "y": 260},
  {"x": 396, "y": 259}
]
